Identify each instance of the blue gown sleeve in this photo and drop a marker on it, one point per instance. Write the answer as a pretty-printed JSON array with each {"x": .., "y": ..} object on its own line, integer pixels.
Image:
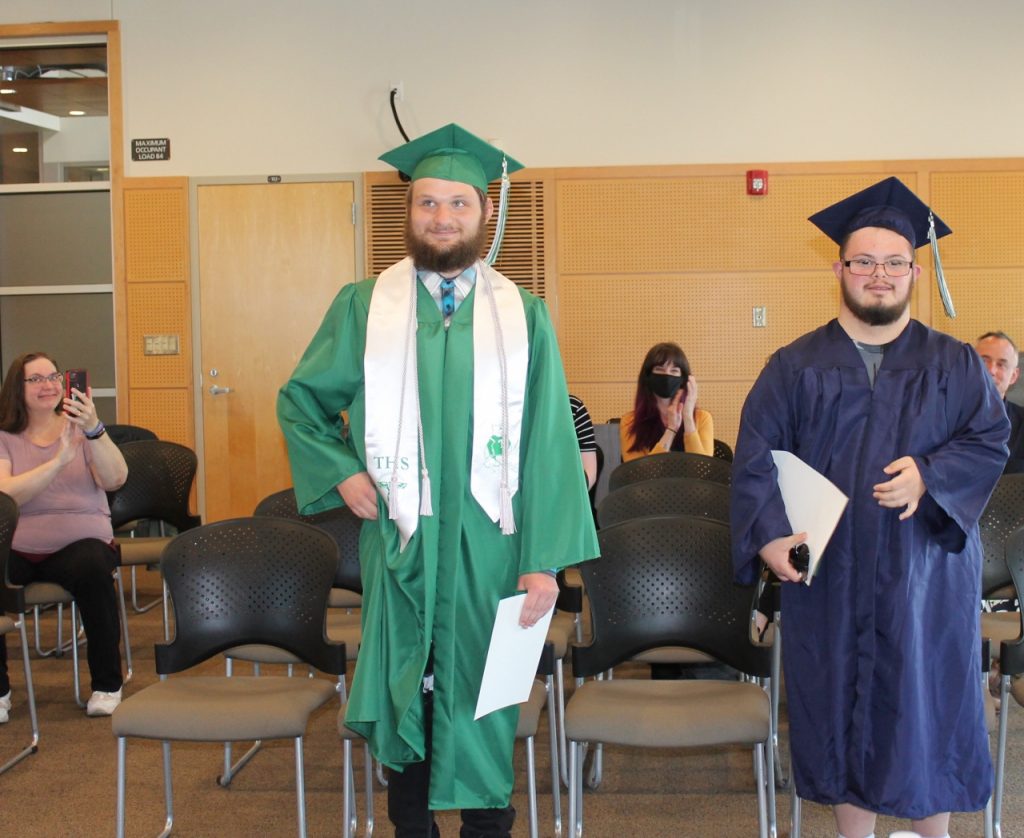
[{"x": 960, "y": 475}]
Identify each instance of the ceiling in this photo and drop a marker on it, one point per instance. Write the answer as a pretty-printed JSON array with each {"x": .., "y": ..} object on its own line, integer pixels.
[{"x": 31, "y": 72}]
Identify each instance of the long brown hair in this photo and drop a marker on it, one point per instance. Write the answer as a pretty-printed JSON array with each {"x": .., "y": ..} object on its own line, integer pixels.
[
  {"x": 647, "y": 426},
  {"x": 13, "y": 412}
]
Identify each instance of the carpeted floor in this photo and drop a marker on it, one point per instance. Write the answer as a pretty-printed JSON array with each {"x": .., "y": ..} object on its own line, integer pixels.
[{"x": 68, "y": 787}]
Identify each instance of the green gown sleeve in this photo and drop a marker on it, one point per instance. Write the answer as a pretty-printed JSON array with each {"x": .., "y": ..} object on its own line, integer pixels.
[
  {"x": 557, "y": 524},
  {"x": 327, "y": 380}
]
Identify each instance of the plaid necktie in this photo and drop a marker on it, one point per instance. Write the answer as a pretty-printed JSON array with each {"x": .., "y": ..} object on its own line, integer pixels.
[{"x": 447, "y": 297}]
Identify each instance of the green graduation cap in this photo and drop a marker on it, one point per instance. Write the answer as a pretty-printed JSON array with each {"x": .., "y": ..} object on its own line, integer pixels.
[{"x": 451, "y": 153}]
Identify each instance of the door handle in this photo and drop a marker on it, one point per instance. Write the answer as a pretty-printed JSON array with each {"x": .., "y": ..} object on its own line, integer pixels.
[{"x": 218, "y": 391}]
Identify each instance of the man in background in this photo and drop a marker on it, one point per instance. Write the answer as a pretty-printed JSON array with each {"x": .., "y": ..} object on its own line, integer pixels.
[{"x": 1002, "y": 359}]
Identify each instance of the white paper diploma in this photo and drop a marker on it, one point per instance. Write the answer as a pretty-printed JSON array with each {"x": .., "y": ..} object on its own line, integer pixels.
[
  {"x": 512, "y": 657},
  {"x": 813, "y": 504}
]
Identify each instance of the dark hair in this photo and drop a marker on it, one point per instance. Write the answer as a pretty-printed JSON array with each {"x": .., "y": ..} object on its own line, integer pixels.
[
  {"x": 647, "y": 426},
  {"x": 1000, "y": 336},
  {"x": 13, "y": 413}
]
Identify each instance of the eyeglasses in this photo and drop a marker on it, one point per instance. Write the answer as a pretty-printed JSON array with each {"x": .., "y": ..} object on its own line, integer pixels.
[
  {"x": 862, "y": 266},
  {"x": 52, "y": 378}
]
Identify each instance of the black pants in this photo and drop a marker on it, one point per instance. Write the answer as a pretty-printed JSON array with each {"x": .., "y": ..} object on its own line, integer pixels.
[
  {"x": 84, "y": 568},
  {"x": 408, "y": 794}
]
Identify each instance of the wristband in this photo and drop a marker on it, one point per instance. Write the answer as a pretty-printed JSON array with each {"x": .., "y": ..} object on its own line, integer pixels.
[{"x": 96, "y": 432}]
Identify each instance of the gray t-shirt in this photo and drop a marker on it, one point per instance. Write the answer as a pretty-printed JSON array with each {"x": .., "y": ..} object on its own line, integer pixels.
[{"x": 71, "y": 508}]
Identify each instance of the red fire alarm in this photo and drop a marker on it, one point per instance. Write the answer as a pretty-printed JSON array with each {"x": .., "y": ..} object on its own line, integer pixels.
[{"x": 757, "y": 182}]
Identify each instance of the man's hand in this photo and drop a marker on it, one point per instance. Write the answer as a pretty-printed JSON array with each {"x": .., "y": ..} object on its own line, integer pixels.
[
  {"x": 905, "y": 489},
  {"x": 360, "y": 495},
  {"x": 541, "y": 593},
  {"x": 776, "y": 556}
]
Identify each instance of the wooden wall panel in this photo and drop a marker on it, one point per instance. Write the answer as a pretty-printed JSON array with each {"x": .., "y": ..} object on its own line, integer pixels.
[{"x": 156, "y": 301}]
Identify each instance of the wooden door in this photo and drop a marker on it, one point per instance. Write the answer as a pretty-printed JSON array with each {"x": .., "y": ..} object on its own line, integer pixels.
[{"x": 271, "y": 259}]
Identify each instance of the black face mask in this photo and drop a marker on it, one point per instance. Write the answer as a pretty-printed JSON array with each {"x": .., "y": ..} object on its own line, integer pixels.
[{"x": 665, "y": 386}]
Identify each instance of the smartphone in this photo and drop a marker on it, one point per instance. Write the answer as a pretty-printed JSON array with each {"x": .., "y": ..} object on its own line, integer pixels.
[{"x": 77, "y": 380}]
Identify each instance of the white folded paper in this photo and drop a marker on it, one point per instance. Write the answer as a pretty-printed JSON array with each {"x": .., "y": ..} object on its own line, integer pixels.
[
  {"x": 813, "y": 504},
  {"x": 512, "y": 657}
]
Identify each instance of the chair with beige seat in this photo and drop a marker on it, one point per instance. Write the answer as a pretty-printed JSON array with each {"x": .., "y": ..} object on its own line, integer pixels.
[
  {"x": 12, "y": 602},
  {"x": 232, "y": 583},
  {"x": 667, "y": 581},
  {"x": 157, "y": 491},
  {"x": 1003, "y": 515}
]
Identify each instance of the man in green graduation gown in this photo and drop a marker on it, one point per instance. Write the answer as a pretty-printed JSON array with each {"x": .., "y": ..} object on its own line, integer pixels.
[{"x": 462, "y": 458}]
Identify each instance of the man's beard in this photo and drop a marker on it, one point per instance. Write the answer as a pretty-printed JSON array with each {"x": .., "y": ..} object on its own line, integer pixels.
[
  {"x": 876, "y": 315},
  {"x": 459, "y": 256}
]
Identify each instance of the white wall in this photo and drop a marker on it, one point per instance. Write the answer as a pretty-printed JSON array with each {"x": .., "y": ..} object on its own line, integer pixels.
[{"x": 265, "y": 86}]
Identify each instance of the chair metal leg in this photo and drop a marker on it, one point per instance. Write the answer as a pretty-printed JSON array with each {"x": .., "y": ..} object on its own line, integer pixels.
[
  {"x": 989, "y": 829},
  {"x": 300, "y": 787},
  {"x": 124, "y": 625},
  {"x": 33, "y": 746},
  {"x": 558, "y": 768},
  {"x": 76, "y": 677},
  {"x": 168, "y": 791},
  {"x": 997, "y": 795},
  {"x": 348, "y": 812},
  {"x": 531, "y": 785},
  {"x": 794, "y": 814},
  {"x": 141, "y": 609},
  {"x": 576, "y": 788},
  {"x": 560, "y": 699},
  {"x": 122, "y": 743},
  {"x": 60, "y": 647}
]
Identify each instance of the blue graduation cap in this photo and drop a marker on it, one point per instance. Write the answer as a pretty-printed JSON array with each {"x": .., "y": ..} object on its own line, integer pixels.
[{"x": 888, "y": 204}]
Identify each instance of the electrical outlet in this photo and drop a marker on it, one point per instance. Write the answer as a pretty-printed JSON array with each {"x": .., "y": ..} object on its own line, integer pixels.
[
  {"x": 399, "y": 88},
  {"x": 760, "y": 317}
]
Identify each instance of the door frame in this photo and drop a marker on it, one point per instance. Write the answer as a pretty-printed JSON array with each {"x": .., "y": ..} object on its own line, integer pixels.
[{"x": 355, "y": 178}]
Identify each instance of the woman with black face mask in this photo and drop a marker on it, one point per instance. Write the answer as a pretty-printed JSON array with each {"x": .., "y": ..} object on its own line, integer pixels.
[{"x": 665, "y": 416}]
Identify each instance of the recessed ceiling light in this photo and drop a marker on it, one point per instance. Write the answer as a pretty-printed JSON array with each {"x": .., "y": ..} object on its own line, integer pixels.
[
  {"x": 7, "y": 90},
  {"x": 19, "y": 149},
  {"x": 76, "y": 113}
]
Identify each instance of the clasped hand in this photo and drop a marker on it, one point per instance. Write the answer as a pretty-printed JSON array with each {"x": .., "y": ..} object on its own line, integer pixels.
[{"x": 904, "y": 490}]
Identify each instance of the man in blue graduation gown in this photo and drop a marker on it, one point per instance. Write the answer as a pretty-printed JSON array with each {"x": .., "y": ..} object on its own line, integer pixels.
[{"x": 882, "y": 649}]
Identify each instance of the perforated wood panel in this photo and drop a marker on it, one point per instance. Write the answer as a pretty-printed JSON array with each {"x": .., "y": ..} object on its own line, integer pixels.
[
  {"x": 157, "y": 309},
  {"x": 987, "y": 299},
  {"x": 168, "y": 413},
  {"x": 986, "y": 212},
  {"x": 156, "y": 234},
  {"x": 522, "y": 254},
  {"x": 698, "y": 223}
]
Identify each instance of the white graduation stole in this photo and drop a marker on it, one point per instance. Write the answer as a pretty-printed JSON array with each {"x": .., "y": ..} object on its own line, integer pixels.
[{"x": 394, "y": 446}]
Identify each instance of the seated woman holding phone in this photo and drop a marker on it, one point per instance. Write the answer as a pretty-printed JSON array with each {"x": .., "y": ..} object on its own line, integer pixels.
[
  {"x": 57, "y": 462},
  {"x": 665, "y": 416}
]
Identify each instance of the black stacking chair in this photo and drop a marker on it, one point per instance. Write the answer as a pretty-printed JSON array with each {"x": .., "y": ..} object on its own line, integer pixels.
[
  {"x": 12, "y": 601},
  {"x": 1003, "y": 515},
  {"x": 120, "y": 434},
  {"x": 667, "y": 581},
  {"x": 1011, "y": 666},
  {"x": 723, "y": 451},
  {"x": 670, "y": 464},
  {"x": 343, "y": 615},
  {"x": 158, "y": 488},
  {"x": 232, "y": 583},
  {"x": 665, "y": 496}
]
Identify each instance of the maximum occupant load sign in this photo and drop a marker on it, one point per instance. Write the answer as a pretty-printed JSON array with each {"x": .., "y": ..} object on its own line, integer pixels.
[{"x": 158, "y": 148}]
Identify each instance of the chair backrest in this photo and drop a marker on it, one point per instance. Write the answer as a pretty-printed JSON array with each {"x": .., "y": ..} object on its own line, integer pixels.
[
  {"x": 250, "y": 580},
  {"x": 723, "y": 451},
  {"x": 1002, "y": 516},
  {"x": 160, "y": 476},
  {"x": 1011, "y": 653},
  {"x": 12, "y": 597},
  {"x": 665, "y": 496},
  {"x": 670, "y": 464},
  {"x": 120, "y": 434},
  {"x": 667, "y": 581},
  {"x": 340, "y": 523}
]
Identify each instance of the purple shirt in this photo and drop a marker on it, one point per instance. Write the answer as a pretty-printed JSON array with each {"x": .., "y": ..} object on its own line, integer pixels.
[{"x": 71, "y": 508}]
